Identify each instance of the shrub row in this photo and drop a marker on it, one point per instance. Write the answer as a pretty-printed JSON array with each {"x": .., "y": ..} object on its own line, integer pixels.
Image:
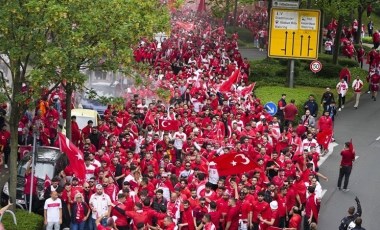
[{"x": 24, "y": 221}]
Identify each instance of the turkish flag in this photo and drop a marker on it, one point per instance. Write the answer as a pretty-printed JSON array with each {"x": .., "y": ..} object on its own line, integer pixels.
[
  {"x": 351, "y": 146},
  {"x": 324, "y": 138},
  {"x": 168, "y": 125},
  {"x": 226, "y": 85},
  {"x": 23, "y": 150},
  {"x": 75, "y": 156},
  {"x": 229, "y": 164},
  {"x": 247, "y": 90},
  {"x": 47, "y": 182},
  {"x": 186, "y": 26}
]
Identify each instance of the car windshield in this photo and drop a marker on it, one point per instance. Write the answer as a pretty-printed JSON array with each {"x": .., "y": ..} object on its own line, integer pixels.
[
  {"x": 82, "y": 121},
  {"x": 42, "y": 169}
]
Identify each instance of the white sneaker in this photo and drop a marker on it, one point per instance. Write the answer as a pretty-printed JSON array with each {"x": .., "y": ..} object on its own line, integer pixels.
[
  {"x": 339, "y": 109},
  {"x": 342, "y": 106},
  {"x": 6, "y": 166}
]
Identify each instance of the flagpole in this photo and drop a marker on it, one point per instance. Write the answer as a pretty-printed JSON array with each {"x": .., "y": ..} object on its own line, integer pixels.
[{"x": 32, "y": 171}]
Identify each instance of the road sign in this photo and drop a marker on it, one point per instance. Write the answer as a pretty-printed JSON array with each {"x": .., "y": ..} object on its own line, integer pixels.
[
  {"x": 271, "y": 108},
  {"x": 285, "y": 4},
  {"x": 315, "y": 66},
  {"x": 294, "y": 33}
]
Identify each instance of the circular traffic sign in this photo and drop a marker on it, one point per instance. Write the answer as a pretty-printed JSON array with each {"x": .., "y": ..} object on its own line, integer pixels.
[{"x": 315, "y": 66}]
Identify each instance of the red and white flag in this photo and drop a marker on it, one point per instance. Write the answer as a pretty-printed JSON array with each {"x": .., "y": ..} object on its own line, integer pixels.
[
  {"x": 226, "y": 85},
  {"x": 229, "y": 164},
  {"x": 75, "y": 156},
  {"x": 168, "y": 125},
  {"x": 47, "y": 182},
  {"x": 23, "y": 150},
  {"x": 247, "y": 90},
  {"x": 324, "y": 138}
]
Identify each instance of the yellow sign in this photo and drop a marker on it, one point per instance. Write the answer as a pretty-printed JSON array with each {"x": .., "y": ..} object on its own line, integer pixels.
[{"x": 294, "y": 34}]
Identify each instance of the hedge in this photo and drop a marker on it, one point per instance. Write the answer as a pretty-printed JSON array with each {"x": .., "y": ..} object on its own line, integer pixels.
[{"x": 24, "y": 221}]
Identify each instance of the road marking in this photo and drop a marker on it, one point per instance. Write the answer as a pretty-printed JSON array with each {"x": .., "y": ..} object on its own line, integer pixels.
[
  {"x": 331, "y": 150},
  {"x": 378, "y": 138},
  {"x": 323, "y": 192}
]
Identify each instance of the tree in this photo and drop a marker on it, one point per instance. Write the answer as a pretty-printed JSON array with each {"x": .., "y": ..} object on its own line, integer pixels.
[
  {"x": 340, "y": 9},
  {"x": 50, "y": 41}
]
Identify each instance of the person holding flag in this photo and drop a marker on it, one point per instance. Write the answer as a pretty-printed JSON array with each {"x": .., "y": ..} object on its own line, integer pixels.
[{"x": 348, "y": 157}]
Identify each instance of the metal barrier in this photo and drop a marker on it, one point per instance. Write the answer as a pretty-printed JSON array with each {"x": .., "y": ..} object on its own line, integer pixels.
[{"x": 12, "y": 214}]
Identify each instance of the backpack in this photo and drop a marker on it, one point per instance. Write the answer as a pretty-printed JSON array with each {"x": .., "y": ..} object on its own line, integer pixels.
[{"x": 347, "y": 223}]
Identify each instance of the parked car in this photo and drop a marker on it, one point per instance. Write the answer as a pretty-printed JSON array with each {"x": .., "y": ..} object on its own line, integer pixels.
[{"x": 48, "y": 162}]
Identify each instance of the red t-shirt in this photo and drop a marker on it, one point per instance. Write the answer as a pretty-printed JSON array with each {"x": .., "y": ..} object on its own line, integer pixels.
[
  {"x": 233, "y": 217},
  {"x": 295, "y": 221},
  {"x": 347, "y": 157}
]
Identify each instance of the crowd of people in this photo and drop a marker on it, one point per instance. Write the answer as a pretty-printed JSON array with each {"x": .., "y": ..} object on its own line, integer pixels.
[{"x": 141, "y": 175}]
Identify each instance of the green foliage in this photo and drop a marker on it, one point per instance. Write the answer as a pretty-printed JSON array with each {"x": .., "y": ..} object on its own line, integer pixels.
[
  {"x": 24, "y": 221},
  {"x": 163, "y": 94},
  {"x": 367, "y": 39},
  {"x": 245, "y": 36}
]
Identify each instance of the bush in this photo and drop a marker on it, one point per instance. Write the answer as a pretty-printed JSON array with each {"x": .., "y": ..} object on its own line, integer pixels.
[
  {"x": 366, "y": 48},
  {"x": 329, "y": 70},
  {"x": 24, "y": 221},
  {"x": 348, "y": 62},
  {"x": 367, "y": 40}
]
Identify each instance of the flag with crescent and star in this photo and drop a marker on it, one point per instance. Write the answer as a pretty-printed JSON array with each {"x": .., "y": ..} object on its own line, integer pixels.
[
  {"x": 229, "y": 164},
  {"x": 74, "y": 155},
  {"x": 168, "y": 125}
]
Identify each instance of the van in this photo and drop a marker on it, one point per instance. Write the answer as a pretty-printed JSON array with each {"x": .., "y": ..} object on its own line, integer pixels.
[
  {"x": 83, "y": 116},
  {"x": 48, "y": 163}
]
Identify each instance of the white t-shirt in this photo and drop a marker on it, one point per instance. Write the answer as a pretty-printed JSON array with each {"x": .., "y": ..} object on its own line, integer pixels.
[
  {"x": 100, "y": 203},
  {"x": 90, "y": 172},
  {"x": 52, "y": 208}
]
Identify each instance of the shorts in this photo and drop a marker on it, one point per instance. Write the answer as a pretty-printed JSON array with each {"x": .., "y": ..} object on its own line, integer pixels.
[{"x": 375, "y": 88}]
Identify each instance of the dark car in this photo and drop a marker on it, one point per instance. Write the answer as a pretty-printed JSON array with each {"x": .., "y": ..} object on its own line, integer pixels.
[
  {"x": 49, "y": 162},
  {"x": 93, "y": 105}
]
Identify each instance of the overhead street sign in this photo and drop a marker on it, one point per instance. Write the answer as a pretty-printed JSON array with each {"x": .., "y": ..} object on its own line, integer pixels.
[
  {"x": 271, "y": 108},
  {"x": 285, "y": 4},
  {"x": 294, "y": 33}
]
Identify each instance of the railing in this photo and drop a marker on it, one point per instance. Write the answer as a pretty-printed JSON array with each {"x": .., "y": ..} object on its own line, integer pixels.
[{"x": 12, "y": 214}]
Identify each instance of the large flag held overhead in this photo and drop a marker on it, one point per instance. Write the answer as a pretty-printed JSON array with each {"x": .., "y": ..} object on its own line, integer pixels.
[
  {"x": 247, "y": 90},
  {"x": 74, "y": 155},
  {"x": 185, "y": 25},
  {"x": 229, "y": 164},
  {"x": 168, "y": 125},
  {"x": 226, "y": 85}
]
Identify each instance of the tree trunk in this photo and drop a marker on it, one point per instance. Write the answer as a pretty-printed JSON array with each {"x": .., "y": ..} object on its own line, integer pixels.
[
  {"x": 227, "y": 12},
  {"x": 235, "y": 14},
  {"x": 308, "y": 4},
  {"x": 321, "y": 31},
  {"x": 69, "y": 93},
  {"x": 360, "y": 21},
  {"x": 337, "y": 40},
  {"x": 15, "y": 116}
]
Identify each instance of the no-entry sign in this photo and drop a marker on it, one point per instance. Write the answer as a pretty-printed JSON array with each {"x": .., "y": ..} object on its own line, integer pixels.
[{"x": 315, "y": 66}]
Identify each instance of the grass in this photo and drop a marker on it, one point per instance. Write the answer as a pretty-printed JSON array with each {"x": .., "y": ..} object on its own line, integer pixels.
[{"x": 245, "y": 36}]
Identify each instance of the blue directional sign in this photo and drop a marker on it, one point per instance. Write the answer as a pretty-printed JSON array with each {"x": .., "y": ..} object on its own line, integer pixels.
[{"x": 271, "y": 108}]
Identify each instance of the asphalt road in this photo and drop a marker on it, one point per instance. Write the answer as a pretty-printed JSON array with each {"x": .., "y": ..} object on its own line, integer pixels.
[{"x": 363, "y": 127}]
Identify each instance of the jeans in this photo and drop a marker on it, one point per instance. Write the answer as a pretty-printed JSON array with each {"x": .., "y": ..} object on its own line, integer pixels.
[
  {"x": 52, "y": 225},
  {"x": 92, "y": 224},
  {"x": 345, "y": 171},
  {"x": 77, "y": 226}
]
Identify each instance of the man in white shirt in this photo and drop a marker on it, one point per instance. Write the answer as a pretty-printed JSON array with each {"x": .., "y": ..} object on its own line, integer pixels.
[
  {"x": 179, "y": 139},
  {"x": 90, "y": 168},
  {"x": 357, "y": 85},
  {"x": 53, "y": 212},
  {"x": 342, "y": 88},
  {"x": 100, "y": 204}
]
